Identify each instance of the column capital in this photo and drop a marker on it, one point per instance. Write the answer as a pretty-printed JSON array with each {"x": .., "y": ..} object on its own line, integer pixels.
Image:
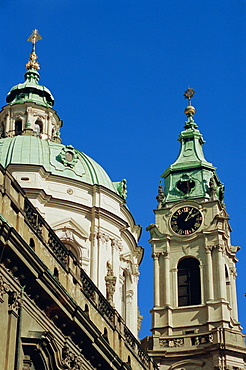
[
  {"x": 156, "y": 255},
  {"x": 209, "y": 248}
]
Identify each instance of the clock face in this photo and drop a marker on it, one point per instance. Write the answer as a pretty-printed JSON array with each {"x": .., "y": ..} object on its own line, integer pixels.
[{"x": 186, "y": 220}]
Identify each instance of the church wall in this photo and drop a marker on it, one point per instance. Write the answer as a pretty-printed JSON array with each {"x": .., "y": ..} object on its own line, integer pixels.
[
  {"x": 54, "y": 305},
  {"x": 97, "y": 237}
]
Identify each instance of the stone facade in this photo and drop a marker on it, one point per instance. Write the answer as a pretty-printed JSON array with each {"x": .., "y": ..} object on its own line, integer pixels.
[{"x": 51, "y": 313}]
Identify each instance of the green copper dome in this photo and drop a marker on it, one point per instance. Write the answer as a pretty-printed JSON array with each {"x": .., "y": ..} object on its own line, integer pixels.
[
  {"x": 31, "y": 140},
  {"x": 56, "y": 158},
  {"x": 30, "y": 91}
]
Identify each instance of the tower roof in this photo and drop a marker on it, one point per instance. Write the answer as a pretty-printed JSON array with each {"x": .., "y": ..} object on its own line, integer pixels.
[{"x": 191, "y": 175}]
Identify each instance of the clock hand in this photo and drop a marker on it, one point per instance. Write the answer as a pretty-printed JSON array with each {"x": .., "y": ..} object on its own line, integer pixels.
[
  {"x": 188, "y": 216},
  {"x": 191, "y": 216}
]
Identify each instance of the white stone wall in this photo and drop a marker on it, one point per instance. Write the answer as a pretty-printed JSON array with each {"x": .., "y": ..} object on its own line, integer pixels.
[{"x": 93, "y": 222}]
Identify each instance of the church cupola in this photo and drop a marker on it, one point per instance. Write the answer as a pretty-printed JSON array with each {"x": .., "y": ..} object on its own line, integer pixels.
[
  {"x": 30, "y": 90},
  {"x": 191, "y": 175},
  {"x": 29, "y": 109}
]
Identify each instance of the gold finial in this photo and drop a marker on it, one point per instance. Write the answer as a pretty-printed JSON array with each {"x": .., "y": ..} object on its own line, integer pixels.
[
  {"x": 188, "y": 94},
  {"x": 35, "y": 37},
  {"x": 32, "y": 63}
]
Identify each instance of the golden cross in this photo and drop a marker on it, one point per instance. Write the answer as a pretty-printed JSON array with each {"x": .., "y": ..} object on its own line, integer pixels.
[{"x": 35, "y": 37}]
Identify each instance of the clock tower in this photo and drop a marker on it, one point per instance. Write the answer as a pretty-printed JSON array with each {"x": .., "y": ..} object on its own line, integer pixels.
[{"x": 194, "y": 318}]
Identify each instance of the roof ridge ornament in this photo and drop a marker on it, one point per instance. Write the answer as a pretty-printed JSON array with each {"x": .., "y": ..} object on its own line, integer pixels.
[{"x": 32, "y": 63}]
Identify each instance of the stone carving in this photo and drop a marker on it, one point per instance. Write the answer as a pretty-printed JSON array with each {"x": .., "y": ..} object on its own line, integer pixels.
[
  {"x": 110, "y": 280},
  {"x": 209, "y": 248},
  {"x": 68, "y": 156},
  {"x": 176, "y": 342},
  {"x": 202, "y": 339},
  {"x": 160, "y": 197},
  {"x": 212, "y": 189},
  {"x": 156, "y": 255},
  {"x": 233, "y": 271},
  {"x": 122, "y": 188},
  {"x": 15, "y": 302},
  {"x": 140, "y": 319},
  {"x": 4, "y": 288},
  {"x": 70, "y": 360}
]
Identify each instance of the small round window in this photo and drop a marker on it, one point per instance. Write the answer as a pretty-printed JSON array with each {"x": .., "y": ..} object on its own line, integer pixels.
[{"x": 69, "y": 156}]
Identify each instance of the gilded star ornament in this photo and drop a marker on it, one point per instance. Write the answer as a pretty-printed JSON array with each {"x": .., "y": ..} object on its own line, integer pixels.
[{"x": 189, "y": 93}]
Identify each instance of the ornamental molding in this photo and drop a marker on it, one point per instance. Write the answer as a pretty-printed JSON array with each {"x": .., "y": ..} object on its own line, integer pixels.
[
  {"x": 220, "y": 247},
  {"x": 18, "y": 115},
  {"x": 68, "y": 156},
  {"x": 184, "y": 363},
  {"x": 233, "y": 271},
  {"x": 15, "y": 301},
  {"x": 68, "y": 226},
  {"x": 39, "y": 116},
  {"x": 139, "y": 320},
  {"x": 105, "y": 238},
  {"x": 70, "y": 360},
  {"x": 186, "y": 250},
  {"x": 209, "y": 248},
  {"x": 176, "y": 342},
  {"x": 157, "y": 255},
  {"x": 4, "y": 288}
]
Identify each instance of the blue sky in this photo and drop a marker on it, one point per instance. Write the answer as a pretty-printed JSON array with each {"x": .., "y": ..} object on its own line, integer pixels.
[{"x": 118, "y": 70}]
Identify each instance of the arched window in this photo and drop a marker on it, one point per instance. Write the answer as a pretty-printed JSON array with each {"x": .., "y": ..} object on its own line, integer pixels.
[
  {"x": 123, "y": 296},
  {"x": 18, "y": 127},
  {"x": 56, "y": 273},
  {"x": 53, "y": 133},
  {"x": 32, "y": 244},
  {"x": 73, "y": 249},
  {"x": 228, "y": 284},
  {"x": 2, "y": 130},
  {"x": 189, "y": 286},
  {"x": 105, "y": 335},
  {"x": 129, "y": 361},
  {"x": 38, "y": 128},
  {"x": 86, "y": 311}
]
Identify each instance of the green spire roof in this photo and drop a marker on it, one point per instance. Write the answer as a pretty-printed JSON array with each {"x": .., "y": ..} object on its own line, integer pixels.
[
  {"x": 30, "y": 90},
  {"x": 191, "y": 176}
]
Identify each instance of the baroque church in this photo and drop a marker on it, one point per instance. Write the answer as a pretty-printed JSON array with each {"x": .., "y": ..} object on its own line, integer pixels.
[{"x": 69, "y": 254}]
